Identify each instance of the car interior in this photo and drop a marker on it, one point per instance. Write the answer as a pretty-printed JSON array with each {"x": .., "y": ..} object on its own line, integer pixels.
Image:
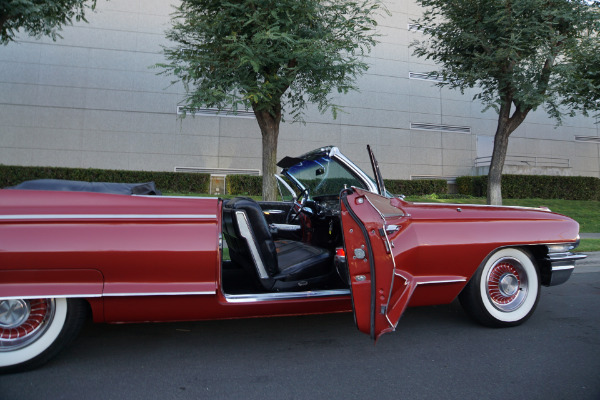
[
  {"x": 297, "y": 245},
  {"x": 282, "y": 246}
]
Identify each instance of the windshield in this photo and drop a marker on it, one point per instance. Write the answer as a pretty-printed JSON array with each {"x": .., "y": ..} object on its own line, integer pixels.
[{"x": 322, "y": 175}]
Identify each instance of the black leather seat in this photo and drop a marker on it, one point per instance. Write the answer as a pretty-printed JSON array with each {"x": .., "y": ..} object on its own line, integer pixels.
[{"x": 278, "y": 264}]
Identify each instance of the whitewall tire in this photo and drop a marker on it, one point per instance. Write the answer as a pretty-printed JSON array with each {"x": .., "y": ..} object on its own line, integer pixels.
[
  {"x": 34, "y": 330},
  {"x": 504, "y": 291}
]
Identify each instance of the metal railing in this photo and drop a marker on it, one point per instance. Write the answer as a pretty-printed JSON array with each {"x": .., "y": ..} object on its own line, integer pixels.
[{"x": 527, "y": 161}]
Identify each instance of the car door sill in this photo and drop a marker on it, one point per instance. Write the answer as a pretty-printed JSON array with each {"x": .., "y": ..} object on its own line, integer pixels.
[{"x": 260, "y": 297}]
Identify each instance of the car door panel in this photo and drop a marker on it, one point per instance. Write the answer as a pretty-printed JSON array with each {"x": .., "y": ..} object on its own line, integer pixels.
[{"x": 380, "y": 290}]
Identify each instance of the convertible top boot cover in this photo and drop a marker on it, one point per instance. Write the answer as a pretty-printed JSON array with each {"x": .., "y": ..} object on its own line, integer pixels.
[{"x": 147, "y": 188}]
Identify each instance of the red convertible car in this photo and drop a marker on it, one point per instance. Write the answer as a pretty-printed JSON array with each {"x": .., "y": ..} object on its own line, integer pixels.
[{"x": 344, "y": 244}]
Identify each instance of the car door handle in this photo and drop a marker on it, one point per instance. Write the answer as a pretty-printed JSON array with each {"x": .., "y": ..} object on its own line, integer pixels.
[
  {"x": 267, "y": 212},
  {"x": 392, "y": 228}
]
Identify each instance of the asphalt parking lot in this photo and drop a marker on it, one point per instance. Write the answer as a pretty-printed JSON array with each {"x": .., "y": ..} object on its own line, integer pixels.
[{"x": 436, "y": 352}]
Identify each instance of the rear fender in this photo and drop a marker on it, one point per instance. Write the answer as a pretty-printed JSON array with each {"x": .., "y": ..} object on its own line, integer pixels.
[{"x": 50, "y": 283}]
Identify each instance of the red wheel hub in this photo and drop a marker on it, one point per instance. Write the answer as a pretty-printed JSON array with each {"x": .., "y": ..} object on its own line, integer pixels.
[
  {"x": 25, "y": 324},
  {"x": 503, "y": 283}
]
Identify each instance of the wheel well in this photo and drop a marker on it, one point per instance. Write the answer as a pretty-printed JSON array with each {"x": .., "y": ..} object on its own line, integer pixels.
[
  {"x": 538, "y": 253},
  {"x": 540, "y": 259}
]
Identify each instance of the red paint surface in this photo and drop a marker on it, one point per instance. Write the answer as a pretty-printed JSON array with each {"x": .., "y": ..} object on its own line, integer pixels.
[
  {"x": 121, "y": 259},
  {"x": 434, "y": 243}
]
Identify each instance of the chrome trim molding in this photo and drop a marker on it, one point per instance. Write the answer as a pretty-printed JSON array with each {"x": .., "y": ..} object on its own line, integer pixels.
[
  {"x": 565, "y": 257},
  {"x": 442, "y": 281},
  {"x": 246, "y": 233},
  {"x": 48, "y": 296},
  {"x": 258, "y": 297},
  {"x": 153, "y": 196},
  {"x": 562, "y": 266},
  {"x": 287, "y": 227},
  {"x": 105, "y": 216},
  {"x": 486, "y": 206},
  {"x": 159, "y": 294},
  {"x": 336, "y": 153},
  {"x": 287, "y": 187},
  {"x": 87, "y": 295}
]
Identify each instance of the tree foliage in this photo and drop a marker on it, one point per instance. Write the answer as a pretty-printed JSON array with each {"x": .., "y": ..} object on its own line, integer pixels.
[
  {"x": 521, "y": 54},
  {"x": 271, "y": 56},
  {"x": 39, "y": 17}
]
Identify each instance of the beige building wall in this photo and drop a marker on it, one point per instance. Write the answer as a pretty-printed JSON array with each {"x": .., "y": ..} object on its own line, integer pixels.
[{"x": 92, "y": 99}]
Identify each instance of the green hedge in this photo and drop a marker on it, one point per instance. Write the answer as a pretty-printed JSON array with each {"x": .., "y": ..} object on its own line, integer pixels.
[
  {"x": 252, "y": 186},
  {"x": 535, "y": 186},
  {"x": 472, "y": 185},
  {"x": 165, "y": 181},
  {"x": 513, "y": 186},
  {"x": 417, "y": 187},
  {"x": 248, "y": 185}
]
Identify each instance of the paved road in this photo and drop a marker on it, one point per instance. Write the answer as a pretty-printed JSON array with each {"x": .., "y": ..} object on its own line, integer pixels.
[{"x": 437, "y": 352}]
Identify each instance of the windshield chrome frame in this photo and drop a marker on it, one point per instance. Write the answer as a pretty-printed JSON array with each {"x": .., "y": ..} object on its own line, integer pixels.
[
  {"x": 335, "y": 153},
  {"x": 288, "y": 188}
]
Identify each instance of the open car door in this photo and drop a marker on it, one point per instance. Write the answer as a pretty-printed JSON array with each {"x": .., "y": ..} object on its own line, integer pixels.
[{"x": 380, "y": 289}]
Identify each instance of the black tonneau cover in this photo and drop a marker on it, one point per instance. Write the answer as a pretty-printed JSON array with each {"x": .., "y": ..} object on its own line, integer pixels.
[{"x": 147, "y": 188}]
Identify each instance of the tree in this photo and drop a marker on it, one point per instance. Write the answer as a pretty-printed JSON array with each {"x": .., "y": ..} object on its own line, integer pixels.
[
  {"x": 39, "y": 17},
  {"x": 271, "y": 56},
  {"x": 523, "y": 54}
]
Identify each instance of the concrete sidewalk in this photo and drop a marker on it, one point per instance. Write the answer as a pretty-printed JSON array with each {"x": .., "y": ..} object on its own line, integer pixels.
[
  {"x": 593, "y": 258},
  {"x": 590, "y": 235}
]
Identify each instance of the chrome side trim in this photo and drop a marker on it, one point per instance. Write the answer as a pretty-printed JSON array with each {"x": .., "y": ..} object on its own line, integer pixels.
[
  {"x": 203, "y": 293},
  {"x": 442, "y": 281},
  {"x": 152, "y": 196},
  {"x": 87, "y": 295},
  {"x": 30, "y": 217},
  {"x": 484, "y": 206},
  {"x": 259, "y": 297},
  {"x": 246, "y": 233},
  {"x": 56, "y": 296}
]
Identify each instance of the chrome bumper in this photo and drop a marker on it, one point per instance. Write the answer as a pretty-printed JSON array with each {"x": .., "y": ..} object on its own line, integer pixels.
[{"x": 561, "y": 267}]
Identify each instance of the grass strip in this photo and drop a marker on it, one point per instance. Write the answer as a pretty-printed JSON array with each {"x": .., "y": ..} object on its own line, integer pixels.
[
  {"x": 588, "y": 245},
  {"x": 587, "y": 213}
]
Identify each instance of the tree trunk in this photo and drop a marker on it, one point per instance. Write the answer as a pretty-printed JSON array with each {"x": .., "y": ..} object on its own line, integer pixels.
[
  {"x": 269, "y": 128},
  {"x": 506, "y": 125},
  {"x": 494, "y": 187}
]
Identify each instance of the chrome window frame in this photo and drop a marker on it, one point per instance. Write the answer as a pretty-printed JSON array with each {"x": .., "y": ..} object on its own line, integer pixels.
[{"x": 335, "y": 154}]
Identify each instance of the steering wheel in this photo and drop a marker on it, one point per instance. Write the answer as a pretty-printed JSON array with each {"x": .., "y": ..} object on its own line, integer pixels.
[{"x": 297, "y": 207}]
